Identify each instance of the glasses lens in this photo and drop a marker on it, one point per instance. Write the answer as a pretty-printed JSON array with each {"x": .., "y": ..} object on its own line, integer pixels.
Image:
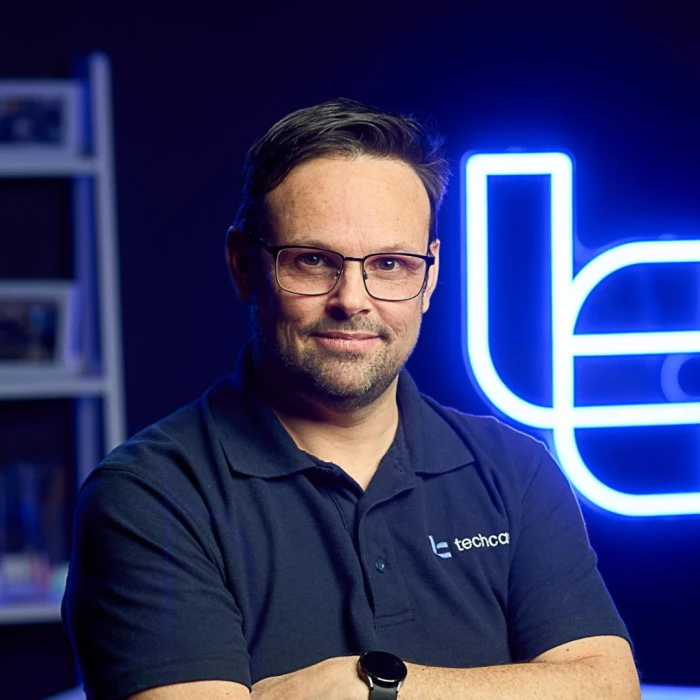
[
  {"x": 395, "y": 277},
  {"x": 307, "y": 271}
]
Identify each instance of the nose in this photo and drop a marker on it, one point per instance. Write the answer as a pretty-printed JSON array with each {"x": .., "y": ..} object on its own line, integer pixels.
[{"x": 349, "y": 296}]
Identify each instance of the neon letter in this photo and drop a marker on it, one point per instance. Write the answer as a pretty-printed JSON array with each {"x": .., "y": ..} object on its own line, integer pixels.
[{"x": 568, "y": 294}]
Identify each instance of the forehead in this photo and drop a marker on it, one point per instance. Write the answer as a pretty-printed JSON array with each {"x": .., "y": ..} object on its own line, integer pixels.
[{"x": 362, "y": 202}]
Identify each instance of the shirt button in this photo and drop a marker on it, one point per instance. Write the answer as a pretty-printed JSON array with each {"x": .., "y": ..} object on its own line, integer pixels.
[{"x": 381, "y": 565}]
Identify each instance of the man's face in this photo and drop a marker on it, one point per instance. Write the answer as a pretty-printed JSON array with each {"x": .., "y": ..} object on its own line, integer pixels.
[{"x": 343, "y": 349}]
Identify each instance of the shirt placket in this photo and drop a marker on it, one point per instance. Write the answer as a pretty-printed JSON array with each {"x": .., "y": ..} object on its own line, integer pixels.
[{"x": 388, "y": 592}]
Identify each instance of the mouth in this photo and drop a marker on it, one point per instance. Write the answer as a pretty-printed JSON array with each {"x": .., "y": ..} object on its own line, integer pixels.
[{"x": 348, "y": 342}]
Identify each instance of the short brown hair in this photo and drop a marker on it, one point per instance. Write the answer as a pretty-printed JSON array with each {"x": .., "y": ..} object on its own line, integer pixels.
[{"x": 346, "y": 128}]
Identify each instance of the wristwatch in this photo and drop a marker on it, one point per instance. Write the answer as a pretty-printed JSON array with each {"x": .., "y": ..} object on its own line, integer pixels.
[{"x": 383, "y": 672}]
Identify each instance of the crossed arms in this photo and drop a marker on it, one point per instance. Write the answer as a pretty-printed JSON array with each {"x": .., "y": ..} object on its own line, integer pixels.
[{"x": 595, "y": 667}]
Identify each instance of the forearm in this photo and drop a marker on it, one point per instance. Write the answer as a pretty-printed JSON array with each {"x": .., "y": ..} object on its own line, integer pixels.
[
  {"x": 337, "y": 678},
  {"x": 573, "y": 680}
]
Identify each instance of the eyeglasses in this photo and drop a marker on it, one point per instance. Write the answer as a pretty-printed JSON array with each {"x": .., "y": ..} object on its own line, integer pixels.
[{"x": 313, "y": 271}]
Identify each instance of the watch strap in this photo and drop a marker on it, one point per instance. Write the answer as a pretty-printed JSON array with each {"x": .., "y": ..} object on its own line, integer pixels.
[{"x": 379, "y": 692}]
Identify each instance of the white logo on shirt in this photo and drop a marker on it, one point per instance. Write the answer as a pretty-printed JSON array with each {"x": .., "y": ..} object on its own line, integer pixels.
[
  {"x": 440, "y": 545},
  {"x": 466, "y": 543},
  {"x": 482, "y": 541}
]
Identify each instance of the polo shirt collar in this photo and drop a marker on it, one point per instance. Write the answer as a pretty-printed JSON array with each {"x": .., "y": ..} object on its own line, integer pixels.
[
  {"x": 253, "y": 440},
  {"x": 434, "y": 447},
  {"x": 256, "y": 444}
]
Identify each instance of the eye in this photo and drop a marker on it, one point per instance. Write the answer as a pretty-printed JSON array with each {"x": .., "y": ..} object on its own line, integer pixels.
[
  {"x": 311, "y": 259},
  {"x": 316, "y": 260},
  {"x": 388, "y": 264}
]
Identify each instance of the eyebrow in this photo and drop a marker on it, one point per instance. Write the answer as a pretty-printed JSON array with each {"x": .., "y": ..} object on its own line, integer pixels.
[{"x": 317, "y": 243}]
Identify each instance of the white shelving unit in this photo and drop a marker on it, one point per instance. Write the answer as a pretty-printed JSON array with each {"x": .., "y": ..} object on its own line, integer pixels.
[{"x": 98, "y": 389}]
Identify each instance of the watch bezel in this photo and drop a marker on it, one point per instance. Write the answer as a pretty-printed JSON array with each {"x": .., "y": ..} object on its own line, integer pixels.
[{"x": 381, "y": 657}]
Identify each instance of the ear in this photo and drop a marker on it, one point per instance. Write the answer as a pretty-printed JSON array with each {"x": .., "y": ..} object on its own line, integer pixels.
[
  {"x": 239, "y": 264},
  {"x": 432, "y": 275}
]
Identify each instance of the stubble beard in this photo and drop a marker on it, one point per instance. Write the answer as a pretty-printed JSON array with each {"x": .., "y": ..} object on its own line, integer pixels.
[{"x": 321, "y": 375}]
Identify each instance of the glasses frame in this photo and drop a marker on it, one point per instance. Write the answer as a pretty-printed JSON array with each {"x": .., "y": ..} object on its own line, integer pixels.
[{"x": 275, "y": 250}]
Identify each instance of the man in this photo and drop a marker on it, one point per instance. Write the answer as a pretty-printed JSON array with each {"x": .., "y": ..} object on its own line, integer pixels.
[{"x": 314, "y": 507}]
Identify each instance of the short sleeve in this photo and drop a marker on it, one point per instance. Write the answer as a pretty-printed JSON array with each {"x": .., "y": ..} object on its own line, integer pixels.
[
  {"x": 555, "y": 593},
  {"x": 146, "y": 604}
]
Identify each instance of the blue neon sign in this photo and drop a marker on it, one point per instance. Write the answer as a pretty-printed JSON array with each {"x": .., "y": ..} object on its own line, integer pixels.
[{"x": 569, "y": 291}]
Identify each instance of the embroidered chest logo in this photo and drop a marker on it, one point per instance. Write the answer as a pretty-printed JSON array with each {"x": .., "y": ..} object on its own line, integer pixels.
[{"x": 442, "y": 549}]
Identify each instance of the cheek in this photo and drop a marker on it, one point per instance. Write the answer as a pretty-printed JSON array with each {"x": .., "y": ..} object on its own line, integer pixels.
[
  {"x": 297, "y": 310},
  {"x": 404, "y": 322},
  {"x": 287, "y": 312}
]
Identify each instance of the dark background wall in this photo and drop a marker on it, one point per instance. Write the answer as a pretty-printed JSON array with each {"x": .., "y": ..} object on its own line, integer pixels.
[{"x": 616, "y": 83}]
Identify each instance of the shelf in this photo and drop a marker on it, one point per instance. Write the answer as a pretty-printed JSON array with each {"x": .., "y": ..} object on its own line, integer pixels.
[
  {"x": 85, "y": 154},
  {"x": 30, "y": 613},
  {"x": 22, "y": 164},
  {"x": 51, "y": 387}
]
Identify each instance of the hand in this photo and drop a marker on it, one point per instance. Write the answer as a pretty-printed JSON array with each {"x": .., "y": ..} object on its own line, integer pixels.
[{"x": 335, "y": 678}]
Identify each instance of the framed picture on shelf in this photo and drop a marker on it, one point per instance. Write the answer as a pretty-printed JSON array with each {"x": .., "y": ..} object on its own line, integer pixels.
[
  {"x": 38, "y": 327},
  {"x": 39, "y": 115}
]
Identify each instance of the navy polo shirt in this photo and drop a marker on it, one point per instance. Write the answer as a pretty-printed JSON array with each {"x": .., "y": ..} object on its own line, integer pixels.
[{"x": 209, "y": 546}]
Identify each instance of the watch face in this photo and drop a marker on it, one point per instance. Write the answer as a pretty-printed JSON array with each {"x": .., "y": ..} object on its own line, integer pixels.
[{"x": 384, "y": 667}]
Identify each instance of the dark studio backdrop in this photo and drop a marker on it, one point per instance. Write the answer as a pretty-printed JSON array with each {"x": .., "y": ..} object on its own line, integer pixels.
[{"x": 617, "y": 85}]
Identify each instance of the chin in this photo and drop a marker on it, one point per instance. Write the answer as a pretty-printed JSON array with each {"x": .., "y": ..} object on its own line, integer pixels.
[
  {"x": 335, "y": 377},
  {"x": 331, "y": 390}
]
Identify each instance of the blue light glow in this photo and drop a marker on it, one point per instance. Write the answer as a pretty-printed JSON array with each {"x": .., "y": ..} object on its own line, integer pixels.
[
  {"x": 569, "y": 292},
  {"x": 669, "y": 692}
]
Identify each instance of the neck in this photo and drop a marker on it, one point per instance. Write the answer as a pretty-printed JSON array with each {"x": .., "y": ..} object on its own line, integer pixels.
[{"x": 355, "y": 439}]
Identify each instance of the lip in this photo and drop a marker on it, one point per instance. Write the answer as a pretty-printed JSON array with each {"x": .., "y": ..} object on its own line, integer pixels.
[
  {"x": 346, "y": 341},
  {"x": 346, "y": 336}
]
